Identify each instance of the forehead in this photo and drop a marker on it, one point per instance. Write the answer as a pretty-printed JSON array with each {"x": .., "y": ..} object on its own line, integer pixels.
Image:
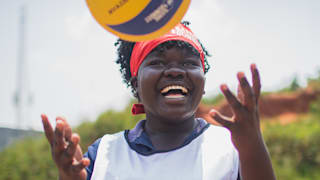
[
  {"x": 174, "y": 52},
  {"x": 176, "y": 46}
]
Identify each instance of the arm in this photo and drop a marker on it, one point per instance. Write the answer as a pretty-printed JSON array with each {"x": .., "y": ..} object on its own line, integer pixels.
[
  {"x": 65, "y": 149},
  {"x": 91, "y": 154},
  {"x": 244, "y": 126}
]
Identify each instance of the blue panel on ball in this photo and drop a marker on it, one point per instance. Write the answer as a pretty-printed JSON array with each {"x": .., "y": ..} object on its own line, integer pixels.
[{"x": 148, "y": 21}]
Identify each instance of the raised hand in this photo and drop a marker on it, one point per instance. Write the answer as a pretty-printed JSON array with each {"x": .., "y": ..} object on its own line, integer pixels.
[
  {"x": 245, "y": 123},
  {"x": 244, "y": 126},
  {"x": 65, "y": 149}
]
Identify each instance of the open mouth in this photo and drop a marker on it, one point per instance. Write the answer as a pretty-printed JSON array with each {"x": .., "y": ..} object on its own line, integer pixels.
[{"x": 174, "y": 91}]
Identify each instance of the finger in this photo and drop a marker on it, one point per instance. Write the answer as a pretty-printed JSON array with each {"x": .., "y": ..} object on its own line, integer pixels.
[
  {"x": 224, "y": 121},
  {"x": 72, "y": 147},
  {"x": 48, "y": 130},
  {"x": 59, "y": 135},
  {"x": 240, "y": 94},
  {"x": 67, "y": 130},
  {"x": 255, "y": 81},
  {"x": 236, "y": 106},
  {"x": 78, "y": 166},
  {"x": 249, "y": 101},
  {"x": 78, "y": 154}
]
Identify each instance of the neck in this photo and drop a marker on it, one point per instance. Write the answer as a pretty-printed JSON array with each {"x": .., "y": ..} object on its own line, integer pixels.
[
  {"x": 168, "y": 126},
  {"x": 168, "y": 133}
]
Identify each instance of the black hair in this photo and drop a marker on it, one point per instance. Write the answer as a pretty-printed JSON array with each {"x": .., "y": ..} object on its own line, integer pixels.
[{"x": 125, "y": 49}]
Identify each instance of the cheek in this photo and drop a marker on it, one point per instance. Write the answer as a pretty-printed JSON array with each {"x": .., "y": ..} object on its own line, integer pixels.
[
  {"x": 147, "y": 81},
  {"x": 198, "y": 79}
]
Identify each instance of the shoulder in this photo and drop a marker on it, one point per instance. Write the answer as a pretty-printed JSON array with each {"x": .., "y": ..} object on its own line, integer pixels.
[
  {"x": 218, "y": 138},
  {"x": 91, "y": 154},
  {"x": 112, "y": 138},
  {"x": 222, "y": 132},
  {"x": 92, "y": 149},
  {"x": 218, "y": 148}
]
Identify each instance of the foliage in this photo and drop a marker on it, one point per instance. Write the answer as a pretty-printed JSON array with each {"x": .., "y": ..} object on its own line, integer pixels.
[
  {"x": 292, "y": 87},
  {"x": 315, "y": 107},
  {"x": 213, "y": 100},
  {"x": 27, "y": 159},
  {"x": 314, "y": 83},
  {"x": 30, "y": 159},
  {"x": 294, "y": 84},
  {"x": 294, "y": 148},
  {"x": 108, "y": 122}
]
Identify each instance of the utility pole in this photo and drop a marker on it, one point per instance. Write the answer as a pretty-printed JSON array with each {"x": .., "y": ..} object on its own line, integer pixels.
[{"x": 22, "y": 91}]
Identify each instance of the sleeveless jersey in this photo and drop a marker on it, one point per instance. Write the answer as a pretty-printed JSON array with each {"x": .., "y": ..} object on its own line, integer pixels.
[{"x": 209, "y": 156}]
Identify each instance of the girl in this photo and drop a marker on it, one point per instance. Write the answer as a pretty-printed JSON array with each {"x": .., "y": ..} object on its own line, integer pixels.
[{"x": 167, "y": 76}]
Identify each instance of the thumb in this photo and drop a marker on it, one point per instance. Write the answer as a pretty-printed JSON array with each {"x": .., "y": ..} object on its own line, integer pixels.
[{"x": 222, "y": 120}]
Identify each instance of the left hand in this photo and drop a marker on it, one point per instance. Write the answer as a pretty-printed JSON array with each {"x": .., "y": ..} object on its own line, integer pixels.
[
  {"x": 244, "y": 125},
  {"x": 65, "y": 149}
]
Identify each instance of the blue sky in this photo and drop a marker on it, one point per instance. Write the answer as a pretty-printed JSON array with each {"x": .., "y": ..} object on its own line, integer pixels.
[{"x": 70, "y": 58}]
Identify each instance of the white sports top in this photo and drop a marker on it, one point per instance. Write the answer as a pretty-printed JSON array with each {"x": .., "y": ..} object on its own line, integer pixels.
[{"x": 210, "y": 156}]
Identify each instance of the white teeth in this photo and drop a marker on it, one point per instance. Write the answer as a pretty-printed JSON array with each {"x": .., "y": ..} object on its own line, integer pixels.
[
  {"x": 175, "y": 96},
  {"x": 168, "y": 88}
]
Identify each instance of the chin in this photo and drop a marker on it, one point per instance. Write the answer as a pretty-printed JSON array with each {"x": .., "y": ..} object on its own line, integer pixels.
[{"x": 177, "y": 115}]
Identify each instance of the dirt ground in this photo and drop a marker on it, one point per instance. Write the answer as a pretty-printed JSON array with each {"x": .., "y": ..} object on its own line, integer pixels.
[{"x": 284, "y": 106}]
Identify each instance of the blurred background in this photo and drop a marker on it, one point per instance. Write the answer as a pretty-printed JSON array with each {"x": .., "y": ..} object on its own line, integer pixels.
[{"x": 57, "y": 60}]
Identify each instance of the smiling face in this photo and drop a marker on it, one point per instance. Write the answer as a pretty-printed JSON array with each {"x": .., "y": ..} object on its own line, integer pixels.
[{"x": 170, "y": 84}]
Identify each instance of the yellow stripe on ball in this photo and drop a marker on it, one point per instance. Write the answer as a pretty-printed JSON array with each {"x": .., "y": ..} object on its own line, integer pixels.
[
  {"x": 113, "y": 12},
  {"x": 138, "y": 20},
  {"x": 161, "y": 31}
]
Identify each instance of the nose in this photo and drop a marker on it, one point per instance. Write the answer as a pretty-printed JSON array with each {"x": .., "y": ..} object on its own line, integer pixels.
[{"x": 175, "y": 72}]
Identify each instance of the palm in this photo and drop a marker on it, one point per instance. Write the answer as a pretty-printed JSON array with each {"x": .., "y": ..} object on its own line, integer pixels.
[
  {"x": 65, "y": 149},
  {"x": 245, "y": 120}
]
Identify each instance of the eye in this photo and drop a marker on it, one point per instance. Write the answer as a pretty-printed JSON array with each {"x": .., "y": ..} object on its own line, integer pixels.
[
  {"x": 191, "y": 63},
  {"x": 156, "y": 63}
]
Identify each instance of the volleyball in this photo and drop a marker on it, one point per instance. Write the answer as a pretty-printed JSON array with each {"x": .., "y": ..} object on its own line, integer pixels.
[{"x": 138, "y": 20}]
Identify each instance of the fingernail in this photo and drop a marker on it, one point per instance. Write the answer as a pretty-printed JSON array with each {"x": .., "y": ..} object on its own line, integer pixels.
[
  {"x": 59, "y": 123},
  {"x": 75, "y": 139},
  {"x": 60, "y": 118},
  {"x": 85, "y": 162},
  {"x": 240, "y": 75},
  {"x": 212, "y": 112},
  {"x": 224, "y": 87}
]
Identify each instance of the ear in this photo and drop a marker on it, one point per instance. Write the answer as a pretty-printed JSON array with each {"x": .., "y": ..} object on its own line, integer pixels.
[
  {"x": 204, "y": 92},
  {"x": 134, "y": 84}
]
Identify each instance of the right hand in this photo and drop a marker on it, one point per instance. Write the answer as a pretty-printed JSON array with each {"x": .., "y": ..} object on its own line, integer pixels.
[{"x": 65, "y": 149}]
